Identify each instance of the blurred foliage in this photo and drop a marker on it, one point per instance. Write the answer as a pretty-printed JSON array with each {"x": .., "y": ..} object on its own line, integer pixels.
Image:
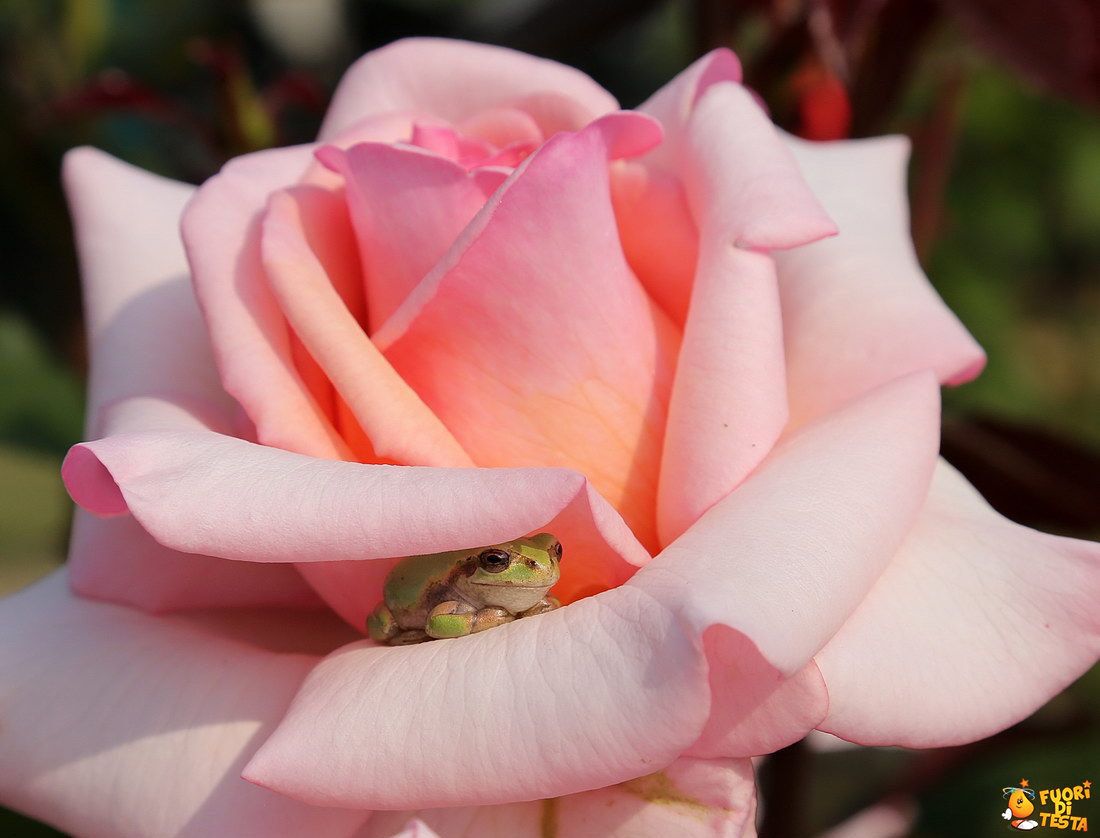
[{"x": 998, "y": 98}]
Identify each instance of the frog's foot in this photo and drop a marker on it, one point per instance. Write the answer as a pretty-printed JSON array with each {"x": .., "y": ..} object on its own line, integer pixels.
[
  {"x": 381, "y": 626},
  {"x": 451, "y": 619},
  {"x": 490, "y": 617},
  {"x": 408, "y": 637},
  {"x": 542, "y": 606}
]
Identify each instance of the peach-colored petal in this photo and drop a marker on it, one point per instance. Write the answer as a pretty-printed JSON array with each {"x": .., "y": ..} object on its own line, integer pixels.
[
  {"x": 532, "y": 340},
  {"x": 976, "y": 622},
  {"x": 202, "y": 492},
  {"x": 613, "y": 685},
  {"x": 120, "y": 725},
  {"x": 306, "y": 239},
  {"x": 502, "y": 127},
  {"x": 407, "y": 207},
  {"x": 857, "y": 309},
  {"x": 657, "y": 232},
  {"x": 151, "y": 367},
  {"x": 454, "y": 80},
  {"x": 689, "y": 799}
]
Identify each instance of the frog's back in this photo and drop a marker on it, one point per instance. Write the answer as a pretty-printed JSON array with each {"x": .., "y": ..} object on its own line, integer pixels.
[{"x": 412, "y": 577}]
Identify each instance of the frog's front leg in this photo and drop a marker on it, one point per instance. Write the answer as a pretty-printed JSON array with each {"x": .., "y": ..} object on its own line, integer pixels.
[
  {"x": 451, "y": 619},
  {"x": 542, "y": 606}
]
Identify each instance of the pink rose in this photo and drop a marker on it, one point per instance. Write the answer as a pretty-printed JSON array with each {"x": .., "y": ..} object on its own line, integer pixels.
[{"x": 486, "y": 303}]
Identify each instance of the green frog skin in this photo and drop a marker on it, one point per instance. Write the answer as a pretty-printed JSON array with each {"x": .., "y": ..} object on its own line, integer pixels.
[{"x": 465, "y": 591}]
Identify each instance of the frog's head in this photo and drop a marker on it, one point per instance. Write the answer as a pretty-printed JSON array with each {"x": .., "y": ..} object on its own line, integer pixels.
[{"x": 524, "y": 563}]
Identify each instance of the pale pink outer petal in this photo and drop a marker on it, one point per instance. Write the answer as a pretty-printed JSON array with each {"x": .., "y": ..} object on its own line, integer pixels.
[
  {"x": 121, "y": 725},
  {"x": 689, "y": 799},
  {"x": 151, "y": 367},
  {"x": 673, "y": 104},
  {"x": 802, "y": 541},
  {"x": 535, "y": 311},
  {"x": 729, "y": 399},
  {"x": 598, "y": 692},
  {"x": 808, "y": 535},
  {"x": 612, "y": 686},
  {"x": 301, "y": 257},
  {"x": 203, "y": 492},
  {"x": 455, "y": 80},
  {"x": 975, "y": 624},
  {"x": 857, "y": 309},
  {"x": 221, "y": 231}
]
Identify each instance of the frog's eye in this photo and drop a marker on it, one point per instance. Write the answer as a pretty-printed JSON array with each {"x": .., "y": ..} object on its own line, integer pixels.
[
  {"x": 493, "y": 561},
  {"x": 555, "y": 550}
]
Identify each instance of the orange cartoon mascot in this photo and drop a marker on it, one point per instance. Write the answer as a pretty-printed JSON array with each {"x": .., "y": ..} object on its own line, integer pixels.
[{"x": 1019, "y": 806}]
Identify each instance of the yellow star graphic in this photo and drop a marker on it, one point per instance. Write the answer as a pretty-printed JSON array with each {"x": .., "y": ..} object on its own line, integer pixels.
[{"x": 1023, "y": 784}]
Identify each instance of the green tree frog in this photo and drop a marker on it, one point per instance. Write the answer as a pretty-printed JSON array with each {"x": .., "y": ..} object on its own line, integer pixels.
[{"x": 464, "y": 591}]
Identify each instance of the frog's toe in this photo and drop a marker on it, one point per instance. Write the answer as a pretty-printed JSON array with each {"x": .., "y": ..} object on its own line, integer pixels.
[
  {"x": 490, "y": 617},
  {"x": 409, "y": 637},
  {"x": 546, "y": 604},
  {"x": 381, "y": 625}
]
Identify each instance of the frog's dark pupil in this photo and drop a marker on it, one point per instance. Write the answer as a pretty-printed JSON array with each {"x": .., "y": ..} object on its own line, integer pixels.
[{"x": 493, "y": 561}]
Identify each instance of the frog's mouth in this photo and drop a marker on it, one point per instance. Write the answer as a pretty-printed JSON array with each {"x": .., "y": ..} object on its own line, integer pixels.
[{"x": 514, "y": 585}]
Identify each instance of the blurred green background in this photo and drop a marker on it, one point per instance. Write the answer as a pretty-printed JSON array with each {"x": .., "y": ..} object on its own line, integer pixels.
[{"x": 1000, "y": 100}]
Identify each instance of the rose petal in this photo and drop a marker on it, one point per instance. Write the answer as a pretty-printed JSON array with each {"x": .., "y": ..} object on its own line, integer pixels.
[
  {"x": 202, "y": 492},
  {"x": 151, "y": 367},
  {"x": 755, "y": 708},
  {"x": 535, "y": 312},
  {"x": 857, "y": 309},
  {"x": 609, "y": 687},
  {"x": 221, "y": 230},
  {"x": 300, "y": 258},
  {"x": 657, "y": 232},
  {"x": 729, "y": 400},
  {"x": 145, "y": 332},
  {"x": 415, "y": 828},
  {"x": 407, "y": 207},
  {"x": 673, "y": 104},
  {"x": 502, "y": 127},
  {"x": 970, "y": 603},
  {"x": 124, "y": 726},
  {"x": 808, "y": 534},
  {"x": 455, "y": 80},
  {"x": 691, "y": 798},
  {"x": 601, "y": 691},
  {"x": 755, "y": 197}
]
